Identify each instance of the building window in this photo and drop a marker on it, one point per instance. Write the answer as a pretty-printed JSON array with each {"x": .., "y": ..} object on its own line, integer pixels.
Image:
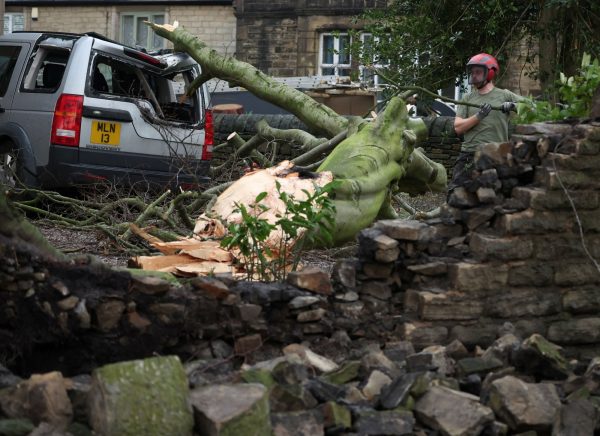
[
  {"x": 368, "y": 73},
  {"x": 13, "y": 23},
  {"x": 335, "y": 57},
  {"x": 135, "y": 33}
]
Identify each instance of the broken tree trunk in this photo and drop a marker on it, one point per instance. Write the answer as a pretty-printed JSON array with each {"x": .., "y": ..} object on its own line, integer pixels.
[{"x": 369, "y": 164}]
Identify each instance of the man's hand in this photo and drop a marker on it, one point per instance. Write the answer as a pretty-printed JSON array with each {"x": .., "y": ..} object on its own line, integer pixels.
[
  {"x": 508, "y": 106},
  {"x": 484, "y": 111}
]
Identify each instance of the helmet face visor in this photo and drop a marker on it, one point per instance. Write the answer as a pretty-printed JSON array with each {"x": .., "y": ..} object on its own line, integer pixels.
[{"x": 477, "y": 74}]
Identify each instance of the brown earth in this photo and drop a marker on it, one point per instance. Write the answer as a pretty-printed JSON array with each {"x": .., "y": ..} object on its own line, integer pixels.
[{"x": 77, "y": 241}]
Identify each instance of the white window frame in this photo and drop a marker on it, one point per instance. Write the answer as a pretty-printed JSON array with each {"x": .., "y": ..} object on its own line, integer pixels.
[
  {"x": 135, "y": 15},
  {"x": 377, "y": 81},
  {"x": 336, "y": 65},
  {"x": 11, "y": 21}
]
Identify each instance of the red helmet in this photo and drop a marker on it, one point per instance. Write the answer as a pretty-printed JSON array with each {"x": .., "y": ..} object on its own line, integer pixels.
[{"x": 486, "y": 61}]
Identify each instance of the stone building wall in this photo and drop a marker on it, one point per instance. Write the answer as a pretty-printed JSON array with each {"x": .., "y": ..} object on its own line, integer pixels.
[
  {"x": 214, "y": 24},
  {"x": 281, "y": 38}
]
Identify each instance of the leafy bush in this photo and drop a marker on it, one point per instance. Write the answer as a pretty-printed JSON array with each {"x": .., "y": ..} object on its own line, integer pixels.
[
  {"x": 573, "y": 94},
  {"x": 315, "y": 214}
]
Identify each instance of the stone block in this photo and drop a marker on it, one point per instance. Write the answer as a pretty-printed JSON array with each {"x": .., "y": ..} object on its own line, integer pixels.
[
  {"x": 452, "y": 412},
  {"x": 475, "y": 277},
  {"x": 561, "y": 246},
  {"x": 509, "y": 394},
  {"x": 530, "y": 273},
  {"x": 302, "y": 422},
  {"x": 407, "y": 230},
  {"x": 523, "y": 302},
  {"x": 247, "y": 344},
  {"x": 532, "y": 221},
  {"x": 384, "y": 422},
  {"x": 231, "y": 410},
  {"x": 109, "y": 314},
  {"x": 336, "y": 416},
  {"x": 478, "y": 216},
  {"x": 377, "y": 270},
  {"x": 311, "y": 315},
  {"x": 41, "y": 398},
  {"x": 447, "y": 231},
  {"x": 553, "y": 179},
  {"x": 588, "y": 147},
  {"x": 575, "y": 274},
  {"x": 312, "y": 279},
  {"x": 422, "y": 334},
  {"x": 486, "y": 195},
  {"x": 582, "y": 300},
  {"x": 429, "y": 269},
  {"x": 492, "y": 155},
  {"x": 575, "y": 331},
  {"x": 500, "y": 248},
  {"x": 590, "y": 220},
  {"x": 572, "y": 162},
  {"x": 147, "y": 396},
  {"x": 541, "y": 199},
  {"x": 578, "y": 417},
  {"x": 449, "y": 306},
  {"x": 377, "y": 289},
  {"x": 461, "y": 198},
  {"x": 344, "y": 272}
]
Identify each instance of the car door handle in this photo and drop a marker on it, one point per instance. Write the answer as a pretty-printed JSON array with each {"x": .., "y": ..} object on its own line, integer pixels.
[
  {"x": 2, "y": 110},
  {"x": 106, "y": 114}
]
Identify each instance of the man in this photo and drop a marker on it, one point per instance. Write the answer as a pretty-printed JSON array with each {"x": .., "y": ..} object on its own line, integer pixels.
[{"x": 481, "y": 125}]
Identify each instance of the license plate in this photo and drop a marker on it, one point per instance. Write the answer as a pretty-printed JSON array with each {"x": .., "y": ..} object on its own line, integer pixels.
[{"x": 105, "y": 132}]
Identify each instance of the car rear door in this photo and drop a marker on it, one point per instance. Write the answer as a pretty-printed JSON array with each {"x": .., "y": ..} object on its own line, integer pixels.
[{"x": 133, "y": 114}]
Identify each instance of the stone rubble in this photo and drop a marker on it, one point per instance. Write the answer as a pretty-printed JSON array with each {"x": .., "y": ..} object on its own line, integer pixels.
[{"x": 424, "y": 393}]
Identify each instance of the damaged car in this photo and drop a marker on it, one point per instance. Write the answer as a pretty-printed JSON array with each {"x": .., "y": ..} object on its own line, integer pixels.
[{"x": 80, "y": 108}]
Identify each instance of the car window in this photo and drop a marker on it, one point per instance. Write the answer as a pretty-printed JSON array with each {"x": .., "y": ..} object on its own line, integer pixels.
[
  {"x": 8, "y": 59},
  {"x": 46, "y": 69},
  {"x": 164, "y": 93}
]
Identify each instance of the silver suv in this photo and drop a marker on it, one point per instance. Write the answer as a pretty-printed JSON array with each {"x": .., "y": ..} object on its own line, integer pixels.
[{"x": 79, "y": 108}]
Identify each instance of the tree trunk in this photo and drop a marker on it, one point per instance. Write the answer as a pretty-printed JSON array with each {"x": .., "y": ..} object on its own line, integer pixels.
[
  {"x": 315, "y": 115},
  {"x": 368, "y": 164}
]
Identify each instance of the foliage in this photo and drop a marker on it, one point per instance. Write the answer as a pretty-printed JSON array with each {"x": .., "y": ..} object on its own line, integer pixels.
[
  {"x": 427, "y": 43},
  {"x": 315, "y": 214},
  {"x": 573, "y": 95}
]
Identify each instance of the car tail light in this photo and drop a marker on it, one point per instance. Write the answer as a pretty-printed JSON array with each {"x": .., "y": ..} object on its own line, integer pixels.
[
  {"x": 66, "y": 124},
  {"x": 144, "y": 57},
  {"x": 208, "y": 135}
]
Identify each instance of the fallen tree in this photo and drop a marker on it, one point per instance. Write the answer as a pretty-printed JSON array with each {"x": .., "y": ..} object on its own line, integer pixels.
[{"x": 375, "y": 159}]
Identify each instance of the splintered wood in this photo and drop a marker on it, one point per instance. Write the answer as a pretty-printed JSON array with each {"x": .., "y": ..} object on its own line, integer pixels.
[{"x": 202, "y": 253}]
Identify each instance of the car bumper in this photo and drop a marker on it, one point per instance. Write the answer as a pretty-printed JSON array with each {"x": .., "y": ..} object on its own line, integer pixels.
[{"x": 70, "y": 166}]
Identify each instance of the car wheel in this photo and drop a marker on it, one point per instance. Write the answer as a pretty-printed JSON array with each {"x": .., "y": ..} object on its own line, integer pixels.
[{"x": 9, "y": 167}]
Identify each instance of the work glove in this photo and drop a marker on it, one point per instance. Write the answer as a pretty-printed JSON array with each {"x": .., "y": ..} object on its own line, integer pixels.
[
  {"x": 484, "y": 111},
  {"x": 508, "y": 106}
]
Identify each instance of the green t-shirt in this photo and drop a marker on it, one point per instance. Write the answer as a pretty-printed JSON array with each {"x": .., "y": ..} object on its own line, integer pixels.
[{"x": 494, "y": 127}]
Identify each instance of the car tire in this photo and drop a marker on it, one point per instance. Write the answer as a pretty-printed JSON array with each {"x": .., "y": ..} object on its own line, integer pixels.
[
  {"x": 13, "y": 172},
  {"x": 9, "y": 167}
]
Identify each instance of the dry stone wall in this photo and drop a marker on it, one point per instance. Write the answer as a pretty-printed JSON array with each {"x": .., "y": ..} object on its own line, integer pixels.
[
  {"x": 514, "y": 249},
  {"x": 505, "y": 256}
]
